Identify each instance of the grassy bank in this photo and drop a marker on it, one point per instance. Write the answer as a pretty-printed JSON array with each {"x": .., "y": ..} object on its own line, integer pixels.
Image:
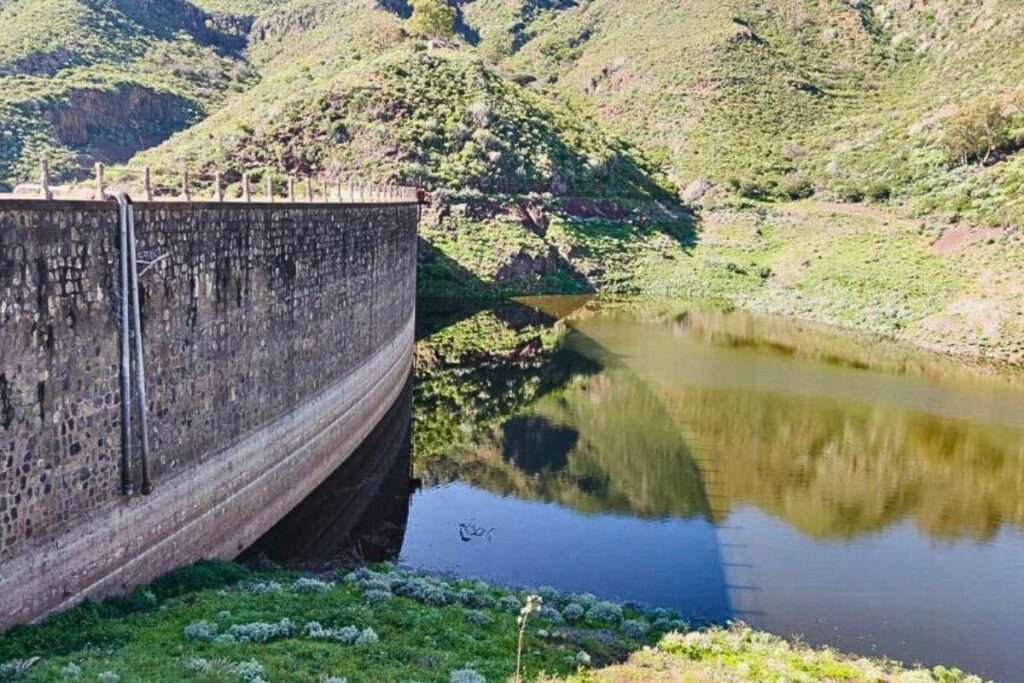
[
  {"x": 948, "y": 288},
  {"x": 222, "y": 622}
]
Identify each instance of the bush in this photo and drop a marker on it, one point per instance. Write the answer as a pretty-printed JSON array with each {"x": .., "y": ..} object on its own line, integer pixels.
[
  {"x": 605, "y": 611},
  {"x": 346, "y": 634},
  {"x": 796, "y": 186},
  {"x": 850, "y": 193},
  {"x": 977, "y": 131},
  {"x": 262, "y": 632},
  {"x": 634, "y": 629},
  {"x": 367, "y": 637},
  {"x": 466, "y": 676},
  {"x": 878, "y": 192},
  {"x": 310, "y": 585},
  {"x": 201, "y": 630},
  {"x": 510, "y": 603},
  {"x": 573, "y": 612},
  {"x": 478, "y": 618}
]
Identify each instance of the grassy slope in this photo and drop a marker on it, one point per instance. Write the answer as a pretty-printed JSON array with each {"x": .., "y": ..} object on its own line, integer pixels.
[
  {"x": 352, "y": 99},
  {"x": 752, "y": 92},
  {"x": 950, "y": 289},
  {"x": 441, "y": 628},
  {"x": 73, "y": 61}
]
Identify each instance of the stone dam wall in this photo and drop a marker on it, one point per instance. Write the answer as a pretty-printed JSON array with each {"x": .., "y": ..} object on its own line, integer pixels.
[{"x": 276, "y": 336}]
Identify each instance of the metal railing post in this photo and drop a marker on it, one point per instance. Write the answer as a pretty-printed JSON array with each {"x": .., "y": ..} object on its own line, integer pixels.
[
  {"x": 44, "y": 179},
  {"x": 101, "y": 191}
]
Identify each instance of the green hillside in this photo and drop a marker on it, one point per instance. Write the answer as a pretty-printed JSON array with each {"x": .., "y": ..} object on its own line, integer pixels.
[
  {"x": 98, "y": 81},
  {"x": 642, "y": 147},
  {"x": 853, "y": 101}
]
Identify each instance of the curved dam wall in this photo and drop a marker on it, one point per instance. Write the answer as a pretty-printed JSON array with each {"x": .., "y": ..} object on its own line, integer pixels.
[{"x": 276, "y": 336}]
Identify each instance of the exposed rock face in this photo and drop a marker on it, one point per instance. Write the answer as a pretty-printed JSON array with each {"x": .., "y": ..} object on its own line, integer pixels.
[
  {"x": 522, "y": 265},
  {"x": 112, "y": 125},
  {"x": 225, "y": 33},
  {"x": 533, "y": 218}
]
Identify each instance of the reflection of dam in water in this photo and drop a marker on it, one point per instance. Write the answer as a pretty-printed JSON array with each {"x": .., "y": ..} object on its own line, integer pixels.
[{"x": 359, "y": 513}]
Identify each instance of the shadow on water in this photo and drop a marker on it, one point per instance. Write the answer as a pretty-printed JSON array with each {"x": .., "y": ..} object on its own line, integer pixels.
[{"x": 359, "y": 513}]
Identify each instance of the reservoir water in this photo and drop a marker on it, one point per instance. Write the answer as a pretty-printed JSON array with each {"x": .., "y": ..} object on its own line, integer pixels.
[{"x": 730, "y": 466}]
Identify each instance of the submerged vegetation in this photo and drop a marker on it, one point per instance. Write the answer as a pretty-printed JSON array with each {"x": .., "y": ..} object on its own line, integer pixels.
[{"x": 222, "y": 622}]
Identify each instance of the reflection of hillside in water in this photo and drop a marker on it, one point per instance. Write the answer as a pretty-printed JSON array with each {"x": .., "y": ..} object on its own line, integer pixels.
[
  {"x": 835, "y": 470},
  {"x": 703, "y": 408},
  {"x": 627, "y": 456}
]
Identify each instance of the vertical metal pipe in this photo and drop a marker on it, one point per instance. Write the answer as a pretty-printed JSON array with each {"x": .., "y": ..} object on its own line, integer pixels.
[
  {"x": 140, "y": 366},
  {"x": 127, "y": 481}
]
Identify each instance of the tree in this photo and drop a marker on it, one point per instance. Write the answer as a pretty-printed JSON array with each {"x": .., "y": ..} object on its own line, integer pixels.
[
  {"x": 432, "y": 18},
  {"x": 978, "y": 131}
]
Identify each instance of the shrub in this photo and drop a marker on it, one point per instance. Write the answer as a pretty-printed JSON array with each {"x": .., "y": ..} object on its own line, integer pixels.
[
  {"x": 551, "y": 615},
  {"x": 510, "y": 603},
  {"x": 375, "y": 597},
  {"x": 753, "y": 189},
  {"x": 260, "y": 586},
  {"x": 71, "y": 670},
  {"x": 310, "y": 585},
  {"x": 473, "y": 599},
  {"x": 201, "y": 630},
  {"x": 465, "y": 676},
  {"x": 605, "y": 611},
  {"x": 346, "y": 634},
  {"x": 262, "y": 632},
  {"x": 796, "y": 186},
  {"x": 573, "y": 612},
  {"x": 585, "y": 600},
  {"x": 478, "y": 618},
  {"x": 634, "y": 629},
  {"x": 198, "y": 664},
  {"x": 878, "y": 192},
  {"x": 850, "y": 193},
  {"x": 250, "y": 671},
  {"x": 977, "y": 131},
  {"x": 367, "y": 637}
]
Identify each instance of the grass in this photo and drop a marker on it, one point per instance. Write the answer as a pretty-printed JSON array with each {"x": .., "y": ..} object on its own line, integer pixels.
[{"x": 221, "y": 622}]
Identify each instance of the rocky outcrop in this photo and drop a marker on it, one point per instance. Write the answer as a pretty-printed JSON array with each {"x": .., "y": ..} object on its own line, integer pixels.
[{"x": 112, "y": 125}]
